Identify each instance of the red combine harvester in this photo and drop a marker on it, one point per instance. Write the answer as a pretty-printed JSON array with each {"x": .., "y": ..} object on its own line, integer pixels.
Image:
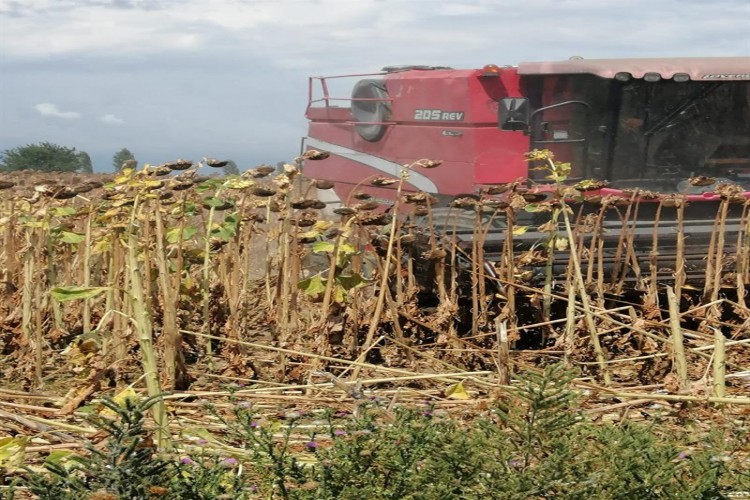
[{"x": 639, "y": 124}]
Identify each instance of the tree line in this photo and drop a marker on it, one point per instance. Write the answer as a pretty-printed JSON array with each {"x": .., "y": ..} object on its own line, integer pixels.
[
  {"x": 45, "y": 157},
  {"x": 48, "y": 157}
]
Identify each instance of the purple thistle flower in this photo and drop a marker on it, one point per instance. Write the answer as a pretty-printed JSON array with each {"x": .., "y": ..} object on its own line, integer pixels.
[
  {"x": 202, "y": 442},
  {"x": 339, "y": 432},
  {"x": 229, "y": 462},
  {"x": 311, "y": 445},
  {"x": 254, "y": 425},
  {"x": 186, "y": 460},
  {"x": 683, "y": 455}
]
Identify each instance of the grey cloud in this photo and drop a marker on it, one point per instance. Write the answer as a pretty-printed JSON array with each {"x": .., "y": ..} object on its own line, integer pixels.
[
  {"x": 16, "y": 8},
  {"x": 139, "y": 4},
  {"x": 239, "y": 89},
  {"x": 12, "y": 9}
]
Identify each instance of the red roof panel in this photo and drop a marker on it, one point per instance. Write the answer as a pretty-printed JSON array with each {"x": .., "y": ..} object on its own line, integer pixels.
[{"x": 699, "y": 68}]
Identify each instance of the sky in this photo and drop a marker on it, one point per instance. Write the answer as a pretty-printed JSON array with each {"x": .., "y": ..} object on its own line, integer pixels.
[{"x": 228, "y": 79}]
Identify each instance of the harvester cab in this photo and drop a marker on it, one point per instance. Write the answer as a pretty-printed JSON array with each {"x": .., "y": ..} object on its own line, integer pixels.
[{"x": 640, "y": 123}]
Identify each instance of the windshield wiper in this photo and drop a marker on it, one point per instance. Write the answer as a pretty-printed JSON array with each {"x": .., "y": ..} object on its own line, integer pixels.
[{"x": 667, "y": 120}]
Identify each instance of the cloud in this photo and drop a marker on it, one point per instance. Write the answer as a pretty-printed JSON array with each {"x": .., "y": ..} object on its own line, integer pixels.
[
  {"x": 313, "y": 34},
  {"x": 111, "y": 119},
  {"x": 242, "y": 66},
  {"x": 48, "y": 109}
]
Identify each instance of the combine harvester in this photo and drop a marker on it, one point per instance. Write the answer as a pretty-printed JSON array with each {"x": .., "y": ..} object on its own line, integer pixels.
[{"x": 658, "y": 151}]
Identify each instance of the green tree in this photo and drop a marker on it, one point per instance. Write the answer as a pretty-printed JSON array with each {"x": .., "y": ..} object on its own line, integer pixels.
[
  {"x": 43, "y": 156},
  {"x": 122, "y": 156},
  {"x": 231, "y": 168},
  {"x": 85, "y": 162}
]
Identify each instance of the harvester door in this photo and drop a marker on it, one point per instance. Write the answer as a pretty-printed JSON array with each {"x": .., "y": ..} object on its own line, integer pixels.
[{"x": 563, "y": 128}]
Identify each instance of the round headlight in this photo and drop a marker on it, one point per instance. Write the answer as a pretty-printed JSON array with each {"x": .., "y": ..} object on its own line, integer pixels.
[
  {"x": 681, "y": 77},
  {"x": 652, "y": 77}
]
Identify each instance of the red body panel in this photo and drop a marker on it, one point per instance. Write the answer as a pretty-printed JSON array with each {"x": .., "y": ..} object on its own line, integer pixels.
[{"x": 473, "y": 149}]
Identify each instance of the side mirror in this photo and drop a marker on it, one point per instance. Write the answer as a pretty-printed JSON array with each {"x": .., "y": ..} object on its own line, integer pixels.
[{"x": 514, "y": 113}]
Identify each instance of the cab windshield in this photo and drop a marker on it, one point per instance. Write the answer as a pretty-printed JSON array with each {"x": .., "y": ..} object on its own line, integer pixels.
[{"x": 653, "y": 135}]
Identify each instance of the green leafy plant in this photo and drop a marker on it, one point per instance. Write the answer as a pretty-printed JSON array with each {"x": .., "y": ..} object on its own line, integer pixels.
[
  {"x": 539, "y": 410},
  {"x": 344, "y": 279},
  {"x": 208, "y": 477},
  {"x": 126, "y": 466},
  {"x": 268, "y": 451},
  {"x": 536, "y": 445}
]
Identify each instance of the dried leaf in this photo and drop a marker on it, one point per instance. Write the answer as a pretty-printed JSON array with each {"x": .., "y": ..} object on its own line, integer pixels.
[
  {"x": 126, "y": 394},
  {"x": 12, "y": 450},
  {"x": 457, "y": 391}
]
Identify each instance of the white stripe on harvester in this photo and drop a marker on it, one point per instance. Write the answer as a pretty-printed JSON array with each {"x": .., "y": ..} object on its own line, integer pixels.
[{"x": 416, "y": 179}]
